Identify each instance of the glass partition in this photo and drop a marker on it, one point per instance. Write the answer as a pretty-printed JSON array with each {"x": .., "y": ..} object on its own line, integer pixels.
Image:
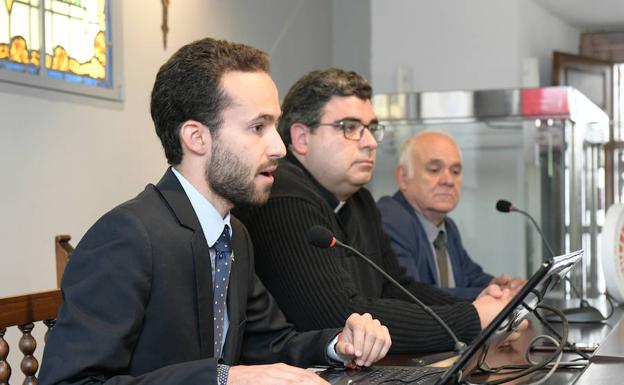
[{"x": 539, "y": 148}]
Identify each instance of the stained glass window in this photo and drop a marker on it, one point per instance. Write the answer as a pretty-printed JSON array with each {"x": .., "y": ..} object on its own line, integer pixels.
[{"x": 64, "y": 40}]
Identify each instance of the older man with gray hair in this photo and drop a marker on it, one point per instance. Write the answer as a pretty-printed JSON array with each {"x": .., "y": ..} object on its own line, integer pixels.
[{"x": 426, "y": 240}]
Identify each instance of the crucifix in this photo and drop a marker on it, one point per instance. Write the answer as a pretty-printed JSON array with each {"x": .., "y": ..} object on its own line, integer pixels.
[{"x": 165, "y": 22}]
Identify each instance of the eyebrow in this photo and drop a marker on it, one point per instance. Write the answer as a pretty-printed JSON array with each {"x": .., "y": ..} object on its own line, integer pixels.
[
  {"x": 437, "y": 161},
  {"x": 266, "y": 117},
  {"x": 374, "y": 120}
]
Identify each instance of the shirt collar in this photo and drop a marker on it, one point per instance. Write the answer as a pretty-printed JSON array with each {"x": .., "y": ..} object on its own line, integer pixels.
[
  {"x": 209, "y": 218},
  {"x": 430, "y": 229}
]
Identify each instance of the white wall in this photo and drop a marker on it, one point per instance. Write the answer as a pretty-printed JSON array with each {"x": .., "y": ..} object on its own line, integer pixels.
[
  {"x": 296, "y": 33},
  {"x": 540, "y": 34},
  {"x": 69, "y": 159},
  {"x": 351, "y": 35},
  {"x": 444, "y": 44},
  {"x": 458, "y": 44}
]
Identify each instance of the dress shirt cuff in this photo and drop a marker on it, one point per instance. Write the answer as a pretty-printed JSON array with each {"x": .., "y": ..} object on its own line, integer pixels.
[
  {"x": 222, "y": 374},
  {"x": 333, "y": 357}
]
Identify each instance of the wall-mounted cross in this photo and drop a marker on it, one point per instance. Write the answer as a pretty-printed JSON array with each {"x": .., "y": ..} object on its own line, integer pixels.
[{"x": 165, "y": 21}]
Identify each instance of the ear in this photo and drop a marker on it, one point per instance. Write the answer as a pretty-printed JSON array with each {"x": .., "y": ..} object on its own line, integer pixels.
[
  {"x": 299, "y": 138},
  {"x": 195, "y": 138},
  {"x": 400, "y": 174}
]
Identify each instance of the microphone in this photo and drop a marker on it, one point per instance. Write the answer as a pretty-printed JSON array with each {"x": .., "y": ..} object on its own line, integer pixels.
[
  {"x": 503, "y": 206},
  {"x": 323, "y": 238},
  {"x": 506, "y": 207},
  {"x": 582, "y": 314}
]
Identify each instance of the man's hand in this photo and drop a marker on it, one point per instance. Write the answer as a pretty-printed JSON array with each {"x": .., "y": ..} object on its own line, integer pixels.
[
  {"x": 500, "y": 283},
  {"x": 488, "y": 306},
  {"x": 507, "y": 282},
  {"x": 364, "y": 340},
  {"x": 276, "y": 374},
  {"x": 491, "y": 301},
  {"x": 492, "y": 290}
]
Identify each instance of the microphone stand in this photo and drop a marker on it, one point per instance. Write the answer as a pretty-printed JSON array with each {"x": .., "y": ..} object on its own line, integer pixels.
[
  {"x": 585, "y": 313},
  {"x": 321, "y": 237},
  {"x": 459, "y": 345}
]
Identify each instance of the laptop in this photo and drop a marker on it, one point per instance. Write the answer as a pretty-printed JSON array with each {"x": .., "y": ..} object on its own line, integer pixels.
[{"x": 523, "y": 303}]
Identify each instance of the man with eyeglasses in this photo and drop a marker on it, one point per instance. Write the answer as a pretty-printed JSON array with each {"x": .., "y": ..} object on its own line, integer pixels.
[{"x": 332, "y": 133}]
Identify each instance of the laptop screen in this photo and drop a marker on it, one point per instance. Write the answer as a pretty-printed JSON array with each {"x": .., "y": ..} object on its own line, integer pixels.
[{"x": 523, "y": 303}]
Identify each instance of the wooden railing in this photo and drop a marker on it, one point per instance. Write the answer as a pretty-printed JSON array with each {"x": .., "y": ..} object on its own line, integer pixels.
[{"x": 23, "y": 311}]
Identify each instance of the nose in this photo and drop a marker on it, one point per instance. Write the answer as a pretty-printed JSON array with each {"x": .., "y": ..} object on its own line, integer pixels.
[
  {"x": 276, "y": 147},
  {"x": 447, "y": 177},
  {"x": 368, "y": 140}
]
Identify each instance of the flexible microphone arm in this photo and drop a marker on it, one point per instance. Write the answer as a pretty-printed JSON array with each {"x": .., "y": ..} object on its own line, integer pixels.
[
  {"x": 539, "y": 230},
  {"x": 506, "y": 207},
  {"x": 319, "y": 236}
]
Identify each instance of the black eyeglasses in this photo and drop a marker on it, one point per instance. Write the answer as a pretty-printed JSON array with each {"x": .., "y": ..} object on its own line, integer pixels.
[{"x": 354, "y": 129}]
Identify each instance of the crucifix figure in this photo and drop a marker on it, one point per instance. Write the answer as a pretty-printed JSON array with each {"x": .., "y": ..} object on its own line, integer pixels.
[{"x": 165, "y": 23}]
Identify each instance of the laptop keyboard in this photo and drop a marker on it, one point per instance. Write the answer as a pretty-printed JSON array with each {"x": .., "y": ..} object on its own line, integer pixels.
[
  {"x": 389, "y": 375},
  {"x": 407, "y": 375}
]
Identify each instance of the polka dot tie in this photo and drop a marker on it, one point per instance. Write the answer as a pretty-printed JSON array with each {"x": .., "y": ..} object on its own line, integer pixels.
[{"x": 223, "y": 248}]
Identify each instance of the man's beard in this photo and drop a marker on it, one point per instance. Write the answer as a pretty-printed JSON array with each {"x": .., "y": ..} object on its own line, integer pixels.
[{"x": 232, "y": 179}]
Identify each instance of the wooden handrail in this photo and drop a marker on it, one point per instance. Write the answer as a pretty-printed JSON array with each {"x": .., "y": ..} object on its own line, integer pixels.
[{"x": 23, "y": 309}]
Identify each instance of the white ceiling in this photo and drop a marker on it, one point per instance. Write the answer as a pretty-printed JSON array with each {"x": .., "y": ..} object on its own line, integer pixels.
[{"x": 589, "y": 15}]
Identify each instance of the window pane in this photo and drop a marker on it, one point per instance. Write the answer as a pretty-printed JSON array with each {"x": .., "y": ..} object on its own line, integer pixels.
[
  {"x": 35, "y": 43},
  {"x": 76, "y": 41},
  {"x": 18, "y": 46},
  {"x": 4, "y": 31},
  {"x": 74, "y": 37}
]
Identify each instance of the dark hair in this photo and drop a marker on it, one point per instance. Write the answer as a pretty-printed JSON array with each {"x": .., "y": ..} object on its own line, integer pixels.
[
  {"x": 306, "y": 99},
  {"x": 188, "y": 87}
]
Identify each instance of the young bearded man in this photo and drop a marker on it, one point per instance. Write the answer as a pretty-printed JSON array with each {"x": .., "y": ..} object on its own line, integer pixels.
[{"x": 162, "y": 289}]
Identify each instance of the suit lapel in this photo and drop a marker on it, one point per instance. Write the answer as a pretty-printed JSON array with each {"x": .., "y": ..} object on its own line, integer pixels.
[
  {"x": 172, "y": 191},
  {"x": 453, "y": 254},
  {"x": 425, "y": 247}
]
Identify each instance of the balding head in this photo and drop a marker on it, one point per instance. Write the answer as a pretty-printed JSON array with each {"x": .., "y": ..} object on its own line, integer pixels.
[{"x": 429, "y": 174}]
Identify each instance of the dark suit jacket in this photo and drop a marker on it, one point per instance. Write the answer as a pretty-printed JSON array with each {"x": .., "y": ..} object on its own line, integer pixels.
[
  {"x": 138, "y": 302},
  {"x": 409, "y": 241}
]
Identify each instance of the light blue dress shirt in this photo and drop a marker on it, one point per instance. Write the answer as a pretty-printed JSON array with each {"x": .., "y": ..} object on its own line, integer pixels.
[{"x": 212, "y": 225}]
